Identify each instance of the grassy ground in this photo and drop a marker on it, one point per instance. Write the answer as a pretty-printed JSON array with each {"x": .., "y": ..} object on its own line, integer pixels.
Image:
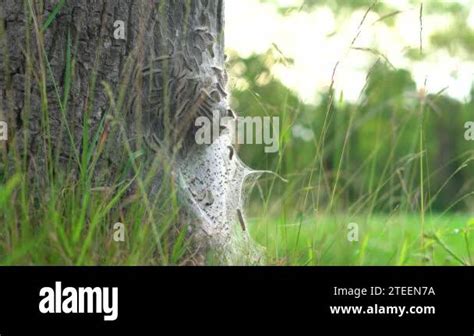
[
  {"x": 382, "y": 240},
  {"x": 72, "y": 225},
  {"x": 68, "y": 223}
]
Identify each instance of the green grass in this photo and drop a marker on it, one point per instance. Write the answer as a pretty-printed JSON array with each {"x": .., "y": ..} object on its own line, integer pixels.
[
  {"x": 70, "y": 225},
  {"x": 383, "y": 240}
]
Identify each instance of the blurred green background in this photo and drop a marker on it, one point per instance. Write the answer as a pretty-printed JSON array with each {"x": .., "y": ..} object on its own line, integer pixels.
[{"x": 373, "y": 99}]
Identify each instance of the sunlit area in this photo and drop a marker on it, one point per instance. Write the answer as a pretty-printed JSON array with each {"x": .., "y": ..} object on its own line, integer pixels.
[{"x": 309, "y": 40}]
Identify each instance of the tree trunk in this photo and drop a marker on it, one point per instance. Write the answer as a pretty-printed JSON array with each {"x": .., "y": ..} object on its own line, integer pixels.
[{"x": 70, "y": 83}]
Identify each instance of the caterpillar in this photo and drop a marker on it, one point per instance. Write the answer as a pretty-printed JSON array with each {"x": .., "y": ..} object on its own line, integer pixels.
[{"x": 241, "y": 220}]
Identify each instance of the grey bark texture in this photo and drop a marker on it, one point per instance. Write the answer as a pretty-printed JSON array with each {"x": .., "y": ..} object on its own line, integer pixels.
[{"x": 169, "y": 70}]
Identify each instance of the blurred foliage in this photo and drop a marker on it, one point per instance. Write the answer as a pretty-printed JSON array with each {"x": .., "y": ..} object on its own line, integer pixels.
[
  {"x": 455, "y": 37},
  {"x": 431, "y": 6},
  {"x": 377, "y": 154},
  {"x": 370, "y": 149},
  {"x": 335, "y": 5}
]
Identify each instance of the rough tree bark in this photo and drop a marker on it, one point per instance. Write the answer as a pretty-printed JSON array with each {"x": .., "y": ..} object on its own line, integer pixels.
[{"x": 168, "y": 70}]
